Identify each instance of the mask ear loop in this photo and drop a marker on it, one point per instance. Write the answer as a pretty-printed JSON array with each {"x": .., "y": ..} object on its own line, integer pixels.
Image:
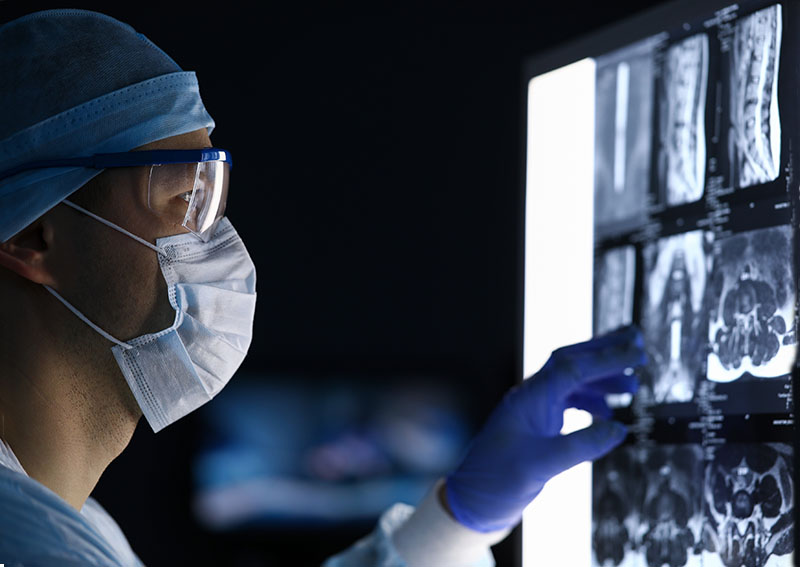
[
  {"x": 68, "y": 305},
  {"x": 83, "y": 318},
  {"x": 115, "y": 227}
]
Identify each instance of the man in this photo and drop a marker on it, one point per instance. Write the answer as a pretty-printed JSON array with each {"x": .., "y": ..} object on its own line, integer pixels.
[{"x": 124, "y": 291}]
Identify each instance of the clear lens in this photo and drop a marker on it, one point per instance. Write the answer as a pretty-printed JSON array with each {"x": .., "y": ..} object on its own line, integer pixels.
[
  {"x": 209, "y": 197},
  {"x": 192, "y": 195}
]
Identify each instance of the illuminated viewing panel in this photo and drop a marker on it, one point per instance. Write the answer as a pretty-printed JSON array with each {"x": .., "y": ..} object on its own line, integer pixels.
[
  {"x": 659, "y": 181},
  {"x": 558, "y": 285}
]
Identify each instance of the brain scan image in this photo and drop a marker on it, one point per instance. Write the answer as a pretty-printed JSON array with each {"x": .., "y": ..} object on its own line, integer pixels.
[
  {"x": 614, "y": 276},
  {"x": 623, "y": 117},
  {"x": 755, "y": 137},
  {"x": 674, "y": 316},
  {"x": 647, "y": 507},
  {"x": 749, "y": 505},
  {"x": 753, "y": 294},
  {"x": 682, "y": 102}
]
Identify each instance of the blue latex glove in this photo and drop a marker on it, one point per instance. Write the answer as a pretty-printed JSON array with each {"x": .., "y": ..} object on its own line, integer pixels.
[{"x": 520, "y": 447}]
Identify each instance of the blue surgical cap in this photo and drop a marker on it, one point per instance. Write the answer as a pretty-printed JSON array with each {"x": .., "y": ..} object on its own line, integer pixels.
[{"x": 75, "y": 83}]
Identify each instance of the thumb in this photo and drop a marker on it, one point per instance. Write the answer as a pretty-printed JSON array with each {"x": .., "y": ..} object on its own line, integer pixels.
[{"x": 566, "y": 451}]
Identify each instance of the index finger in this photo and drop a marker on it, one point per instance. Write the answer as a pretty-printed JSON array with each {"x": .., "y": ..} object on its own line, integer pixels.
[
  {"x": 606, "y": 355},
  {"x": 569, "y": 370},
  {"x": 600, "y": 364}
]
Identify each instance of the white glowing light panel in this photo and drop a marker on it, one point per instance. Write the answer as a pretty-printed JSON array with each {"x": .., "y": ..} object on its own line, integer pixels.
[{"x": 559, "y": 245}]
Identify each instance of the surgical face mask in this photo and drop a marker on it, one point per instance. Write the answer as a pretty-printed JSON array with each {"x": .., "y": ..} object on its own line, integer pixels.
[{"x": 211, "y": 287}]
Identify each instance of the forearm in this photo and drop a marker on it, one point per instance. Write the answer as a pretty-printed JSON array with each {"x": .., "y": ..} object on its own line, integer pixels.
[{"x": 432, "y": 536}]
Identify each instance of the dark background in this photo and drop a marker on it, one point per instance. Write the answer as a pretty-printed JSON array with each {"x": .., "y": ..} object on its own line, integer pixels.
[{"x": 377, "y": 184}]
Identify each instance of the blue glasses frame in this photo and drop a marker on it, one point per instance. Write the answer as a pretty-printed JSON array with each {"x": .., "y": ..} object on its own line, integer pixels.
[{"x": 128, "y": 159}]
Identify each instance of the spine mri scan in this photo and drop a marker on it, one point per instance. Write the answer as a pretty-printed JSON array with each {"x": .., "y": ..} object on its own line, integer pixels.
[
  {"x": 710, "y": 276},
  {"x": 682, "y": 107},
  {"x": 670, "y": 506},
  {"x": 755, "y": 124}
]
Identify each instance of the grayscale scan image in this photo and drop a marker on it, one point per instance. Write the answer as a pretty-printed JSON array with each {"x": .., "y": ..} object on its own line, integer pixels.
[
  {"x": 749, "y": 505},
  {"x": 755, "y": 137},
  {"x": 617, "y": 495},
  {"x": 682, "y": 102},
  {"x": 647, "y": 507},
  {"x": 672, "y": 516},
  {"x": 706, "y": 479},
  {"x": 674, "y": 314},
  {"x": 753, "y": 298},
  {"x": 623, "y": 118},
  {"x": 614, "y": 276}
]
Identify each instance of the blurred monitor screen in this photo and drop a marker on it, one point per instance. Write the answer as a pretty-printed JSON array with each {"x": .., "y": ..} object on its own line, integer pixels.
[
  {"x": 661, "y": 190},
  {"x": 311, "y": 450}
]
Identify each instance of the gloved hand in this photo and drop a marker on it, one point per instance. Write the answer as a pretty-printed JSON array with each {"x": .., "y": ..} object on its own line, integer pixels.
[{"x": 520, "y": 447}]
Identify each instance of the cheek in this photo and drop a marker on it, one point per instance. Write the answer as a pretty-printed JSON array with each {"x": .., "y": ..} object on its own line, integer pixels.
[
  {"x": 151, "y": 311},
  {"x": 125, "y": 287},
  {"x": 114, "y": 280}
]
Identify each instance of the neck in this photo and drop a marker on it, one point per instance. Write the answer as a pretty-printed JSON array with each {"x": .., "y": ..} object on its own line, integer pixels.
[{"x": 64, "y": 421}]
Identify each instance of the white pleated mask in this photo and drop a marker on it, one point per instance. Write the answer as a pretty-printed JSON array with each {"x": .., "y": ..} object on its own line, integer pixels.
[{"x": 211, "y": 286}]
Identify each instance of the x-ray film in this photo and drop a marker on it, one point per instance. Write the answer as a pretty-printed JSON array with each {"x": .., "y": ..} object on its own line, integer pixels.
[
  {"x": 706, "y": 477},
  {"x": 648, "y": 507},
  {"x": 617, "y": 492},
  {"x": 615, "y": 273},
  {"x": 682, "y": 103},
  {"x": 674, "y": 317},
  {"x": 623, "y": 131},
  {"x": 672, "y": 505},
  {"x": 753, "y": 297},
  {"x": 671, "y": 513},
  {"x": 755, "y": 137},
  {"x": 748, "y": 499}
]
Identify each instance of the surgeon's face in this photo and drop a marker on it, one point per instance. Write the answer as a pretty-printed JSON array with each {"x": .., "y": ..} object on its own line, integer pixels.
[
  {"x": 115, "y": 281},
  {"x": 111, "y": 278}
]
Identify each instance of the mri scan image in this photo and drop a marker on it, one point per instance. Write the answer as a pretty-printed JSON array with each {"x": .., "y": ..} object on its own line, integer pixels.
[
  {"x": 617, "y": 496},
  {"x": 666, "y": 505},
  {"x": 647, "y": 507},
  {"x": 755, "y": 137},
  {"x": 672, "y": 512},
  {"x": 674, "y": 315},
  {"x": 748, "y": 498},
  {"x": 614, "y": 276},
  {"x": 716, "y": 304},
  {"x": 752, "y": 330},
  {"x": 682, "y": 102},
  {"x": 623, "y": 117}
]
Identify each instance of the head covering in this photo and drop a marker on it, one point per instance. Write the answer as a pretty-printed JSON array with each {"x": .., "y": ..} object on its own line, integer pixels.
[{"x": 75, "y": 83}]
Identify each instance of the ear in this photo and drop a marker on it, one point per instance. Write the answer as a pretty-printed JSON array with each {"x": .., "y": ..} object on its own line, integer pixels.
[{"x": 26, "y": 252}]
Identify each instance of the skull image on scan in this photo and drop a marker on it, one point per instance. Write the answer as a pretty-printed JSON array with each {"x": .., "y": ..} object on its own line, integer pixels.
[
  {"x": 749, "y": 503},
  {"x": 755, "y": 139},
  {"x": 682, "y": 155}
]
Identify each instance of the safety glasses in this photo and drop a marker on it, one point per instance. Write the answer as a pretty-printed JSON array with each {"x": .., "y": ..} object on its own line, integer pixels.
[{"x": 189, "y": 187}]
